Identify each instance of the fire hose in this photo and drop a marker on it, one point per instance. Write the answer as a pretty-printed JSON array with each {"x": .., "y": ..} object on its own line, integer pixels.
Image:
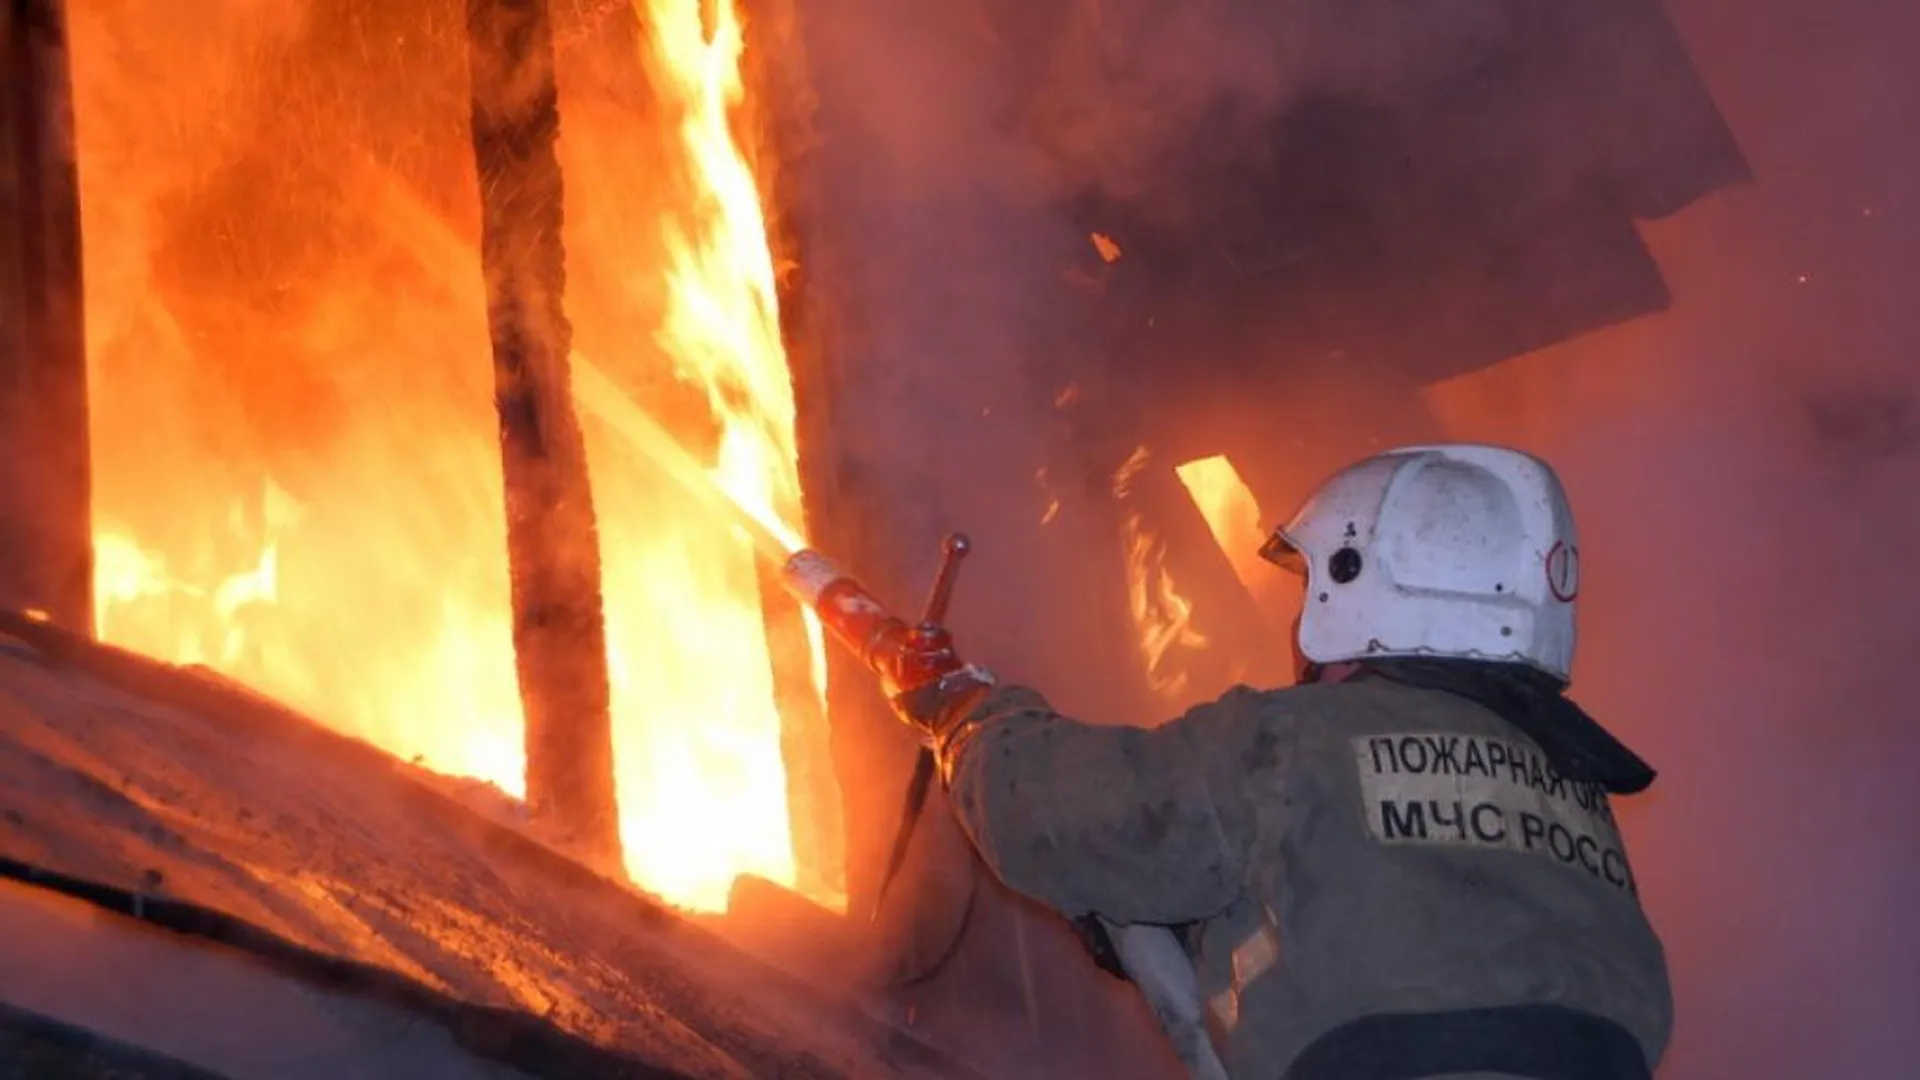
[{"x": 1152, "y": 957}]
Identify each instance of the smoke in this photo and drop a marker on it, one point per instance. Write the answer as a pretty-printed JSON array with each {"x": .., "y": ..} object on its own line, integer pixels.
[
  {"x": 1740, "y": 462},
  {"x": 944, "y": 265},
  {"x": 1742, "y": 468}
]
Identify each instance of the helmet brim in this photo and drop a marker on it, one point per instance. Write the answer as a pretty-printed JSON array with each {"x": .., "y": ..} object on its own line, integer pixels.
[{"x": 1281, "y": 551}]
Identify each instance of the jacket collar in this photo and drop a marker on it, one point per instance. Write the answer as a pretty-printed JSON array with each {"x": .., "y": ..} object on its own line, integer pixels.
[{"x": 1533, "y": 701}]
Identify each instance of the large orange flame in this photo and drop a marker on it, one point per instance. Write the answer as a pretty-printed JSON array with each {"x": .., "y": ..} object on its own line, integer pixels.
[
  {"x": 306, "y": 497},
  {"x": 712, "y": 802}
]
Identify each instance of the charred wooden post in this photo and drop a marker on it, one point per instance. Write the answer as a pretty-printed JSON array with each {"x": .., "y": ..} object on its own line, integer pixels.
[
  {"x": 813, "y": 792},
  {"x": 553, "y": 548},
  {"x": 46, "y": 553}
]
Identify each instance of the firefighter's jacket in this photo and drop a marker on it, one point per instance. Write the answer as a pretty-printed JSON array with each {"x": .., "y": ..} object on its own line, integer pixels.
[{"x": 1368, "y": 875}]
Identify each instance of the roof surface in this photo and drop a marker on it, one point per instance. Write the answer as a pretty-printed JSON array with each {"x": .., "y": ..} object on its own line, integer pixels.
[{"x": 214, "y": 811}]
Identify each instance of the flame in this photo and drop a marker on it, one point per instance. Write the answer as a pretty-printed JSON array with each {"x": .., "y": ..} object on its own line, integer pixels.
[
  {"x": 1162, "y": 615},
  {"x": 713, "y": 803},
  {"x": 138, "y": 596},
  {"x": 1231, "y": 512},
  {"x": 297, "y": 480}
]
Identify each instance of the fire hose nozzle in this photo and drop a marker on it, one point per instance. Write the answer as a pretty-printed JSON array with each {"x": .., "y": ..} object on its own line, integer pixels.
[
  {"x": 850, "y": 614},
  {"x": 859, "y": 621},
  {"x": 808, "y": 574},
  {"x": 889, "y": 648}
]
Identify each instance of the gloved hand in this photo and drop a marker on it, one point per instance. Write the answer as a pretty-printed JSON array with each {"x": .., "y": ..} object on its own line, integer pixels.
[
  {"x": 937, "y": 706},
  {"x": 930, "y": 687}
]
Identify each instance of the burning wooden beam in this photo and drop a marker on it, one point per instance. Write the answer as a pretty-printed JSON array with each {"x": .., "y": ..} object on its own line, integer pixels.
[
  {"x": 813, "y": 793},
  {"x": 46, "y": 555},
  {"x": 553, "y": 548},
  {"x": 1195, "y": 621},
  {"x": 774, "y": 63},
  {"x": 1243, "y": 646}
]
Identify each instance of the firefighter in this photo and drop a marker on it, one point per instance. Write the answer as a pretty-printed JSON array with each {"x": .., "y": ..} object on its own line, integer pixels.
[{"x": 1405, "y": 866}]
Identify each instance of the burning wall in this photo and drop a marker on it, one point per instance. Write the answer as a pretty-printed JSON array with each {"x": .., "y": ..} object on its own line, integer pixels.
[
  {"x": 294, "y": 434},
  {"x": 298, "y": 485}
]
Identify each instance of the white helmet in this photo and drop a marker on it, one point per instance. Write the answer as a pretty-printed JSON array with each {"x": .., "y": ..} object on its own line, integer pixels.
[{"x": 1456, "y": 550}]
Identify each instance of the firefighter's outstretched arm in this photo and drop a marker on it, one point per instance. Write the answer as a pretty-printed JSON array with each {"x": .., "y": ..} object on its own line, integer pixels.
[
  {"x": 1135, "y": 825},
  {"x": 1138, "y": 825}
]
